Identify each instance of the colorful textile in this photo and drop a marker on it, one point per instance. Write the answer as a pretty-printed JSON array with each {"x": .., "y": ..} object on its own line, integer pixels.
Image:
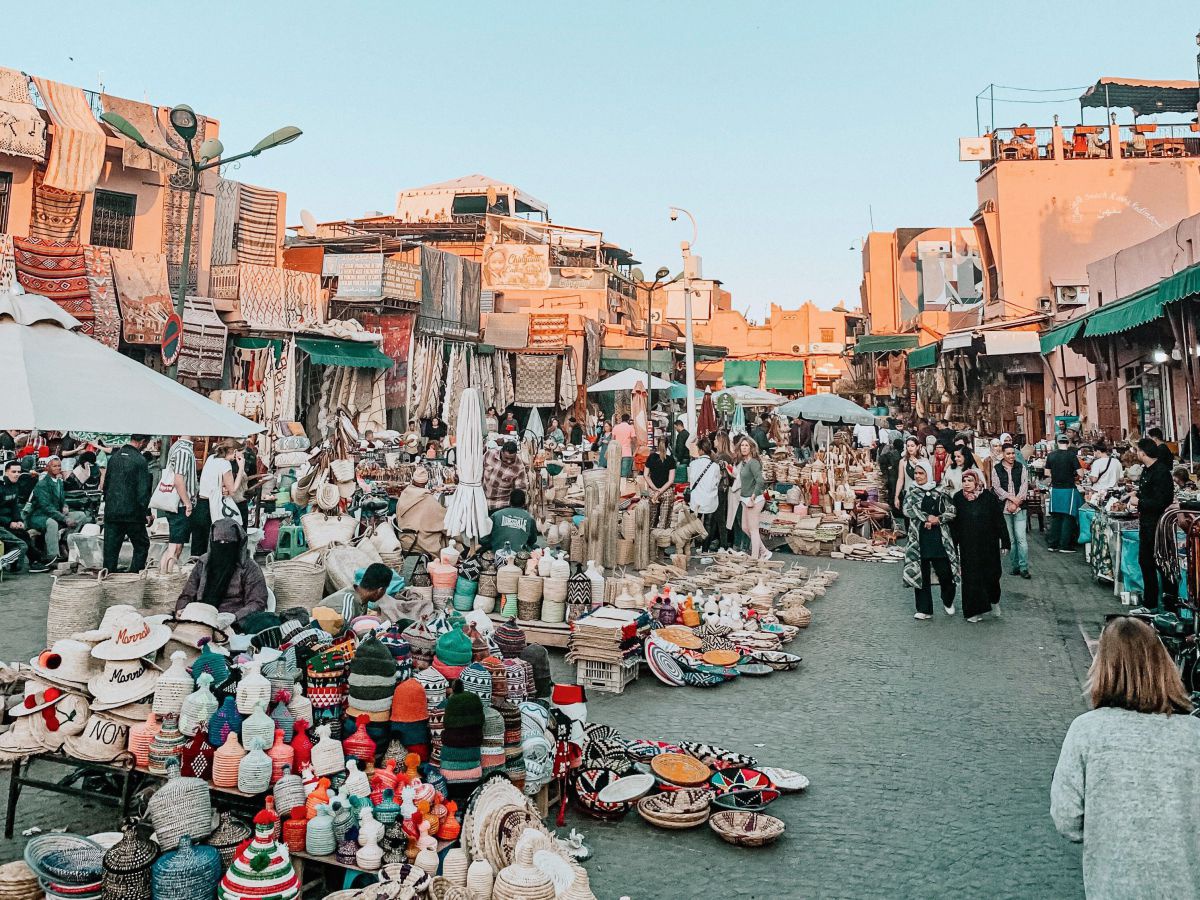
[
  {"x": 54, "y": 269},
  {"x": 260, "y": 294},
  {"x": 258, "y": 226},
  {"x": 145, "y": 298},
  {"x": 224, "y": 219},
  {"x": 106, "y": 326},
  {"x": 537, "y": 380},
  {"x": 8, "y": 264},
  {"x": 547, "y": 332},
  {"x": 22, "y": 131},
  {"x": 202, "y": 354},
  {"x": 77, "y": 150},
  {"x": 55, "y": 213},
  {"x": 175, "y": 207},
  {"x": 144, "y": 118}
]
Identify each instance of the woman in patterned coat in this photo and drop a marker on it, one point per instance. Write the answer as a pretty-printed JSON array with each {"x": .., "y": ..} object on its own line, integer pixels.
[{"x": 929, "y": 512}]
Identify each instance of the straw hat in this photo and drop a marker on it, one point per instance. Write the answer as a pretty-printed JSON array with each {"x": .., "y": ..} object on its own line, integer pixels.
[
  {"x": 412, "y": 442},
  {"x": 22, "y": 739},
  {"x": 67, "y": 663},
  {"x": 106, "y": 628},
  {"x": 328, "y": 496},
  {"x": 122, "y": 681},
  {"x": 104, "y": 738},
  {"x": 37, "y": 697},
  {"x": 205, "y": 614},
  {"x": 133, "y": 637}
]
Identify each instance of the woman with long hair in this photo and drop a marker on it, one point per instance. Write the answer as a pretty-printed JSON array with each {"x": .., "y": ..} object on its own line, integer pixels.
[
  {"x": 753, "y": 486},
  {"x": 659, "y": 476},
  {"x": 930, "y": 545},
  {"x": 913, "y": 451},
  {"x": 1129, "y": 772},
  {"x": 979, "y": 535},
  {"x": 952, "y": 475}
]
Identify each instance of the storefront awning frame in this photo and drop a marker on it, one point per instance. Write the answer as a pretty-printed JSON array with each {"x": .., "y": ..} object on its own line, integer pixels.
[
  {"x": 352, "y": 354},
  {"x": 884, "y": 343}
]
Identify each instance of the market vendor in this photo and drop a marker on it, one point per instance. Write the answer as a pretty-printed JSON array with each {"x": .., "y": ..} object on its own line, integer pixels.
[
  {"x": 513, "y": 525},
  {"x": 356, "y": 600},
  {"x": 226, "y": 577},
  {"x": 503, "y": 472},
  {"x": 418, "y": 510}
]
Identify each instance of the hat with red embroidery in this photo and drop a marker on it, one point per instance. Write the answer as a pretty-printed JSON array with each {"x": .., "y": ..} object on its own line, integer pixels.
[
  {"x": 133, "y": 636},
  {"x": 570, "y": 700}
]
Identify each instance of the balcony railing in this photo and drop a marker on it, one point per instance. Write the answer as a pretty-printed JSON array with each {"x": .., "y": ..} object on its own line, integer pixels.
[{"x": 1139, "y": 141}]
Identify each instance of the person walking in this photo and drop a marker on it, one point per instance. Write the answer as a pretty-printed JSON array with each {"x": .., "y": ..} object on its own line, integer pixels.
[
  {"x": 659, "y": 476},
  {"x": 624, "y": 434},
  {"x": 503, "y": 472},
  {"x": 679, "y": 444},
  {"x": 930, "y": 544},
  {"x": 1062, "y": 468},
  {"x": 1155, "y": 492},
  {"x": 181, "y": 460},
  {"x": 753, "y": 486},
  {"x": 704, "y": 489},
  {"x": 1128, "y": 774},
  {"x": 1010, "y": 481},
  {"x": 952, "y": 474},
  {"x": 216, "y": 483},
  {"x": 913, "y": 451},
  {"x": 127, "y": 487},
  {"x": 979, "y": 536}
]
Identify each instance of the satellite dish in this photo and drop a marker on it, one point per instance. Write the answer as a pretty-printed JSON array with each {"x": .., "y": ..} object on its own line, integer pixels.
[
  {"x": 309, "y": 221},
  {"x": 638, "y": 275}
]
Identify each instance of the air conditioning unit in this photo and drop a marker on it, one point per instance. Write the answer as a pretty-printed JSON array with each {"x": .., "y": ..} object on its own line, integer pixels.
[
  {"x": 1071, "y": 295},
  {"x": 1044, "y": 305}
]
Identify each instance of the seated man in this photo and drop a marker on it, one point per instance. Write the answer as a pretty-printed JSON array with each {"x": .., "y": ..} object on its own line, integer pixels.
[
  {"x": 418, "y": 510},
  {"x": 355, "y": 601},
  {"x": 48, "y": 511},
  {"x": 12, "y": 529},
  {"x": 513, "y": 525},
  {"x": 226, "y": 577}
]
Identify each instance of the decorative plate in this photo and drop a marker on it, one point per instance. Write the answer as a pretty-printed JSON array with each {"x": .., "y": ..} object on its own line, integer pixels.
[
  {"x": 754, "y": 669},
  {"x": 662, "y": 663},
  {"x": 680, "y": 636},
  {"x": 785, "y": 779},
  {"x": 743, "y": 778},
  {"x": 644, "y": 751},
  {"x": 513, "y": 824},
  {"x": 696, "y": 677},
  {"x": 747, "y": 829},
  {"x": 627, "y": 789},
  {"x": 777, "y": 659},
  {"x": 715, "y": 756},
  {"x": 678, "y": 802},
  {"x": 722, "y": 657},
  {"x": 746, "y": 799},
  {"x": 680, "y": 769},
  {"x": 587, "y": 785}
]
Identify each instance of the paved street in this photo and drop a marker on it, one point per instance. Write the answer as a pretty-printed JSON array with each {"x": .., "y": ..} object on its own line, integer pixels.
[{"x": 930, "y": 747}]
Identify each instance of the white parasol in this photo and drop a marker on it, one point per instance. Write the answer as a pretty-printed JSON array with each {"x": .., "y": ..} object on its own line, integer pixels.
[
  {"x": 533, "y": 427},
  {"x": 467, "y": 512},
  {"x": 56, "y": 379}
]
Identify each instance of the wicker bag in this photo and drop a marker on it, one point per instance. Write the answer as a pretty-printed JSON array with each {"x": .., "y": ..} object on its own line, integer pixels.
[
  {"x": 298, "y": 583},
  {"x": 321, "y": 530},
  {"x": 163, "y": 587},
  {"x": 75, "y": 605},
  {"x": 123, "y": 587},
  {"x": 626, "y": 551},
  {"x": 182, "y": 806},
  {"x": 341, "y": 562},
  {"x": 342, "y": 470}
]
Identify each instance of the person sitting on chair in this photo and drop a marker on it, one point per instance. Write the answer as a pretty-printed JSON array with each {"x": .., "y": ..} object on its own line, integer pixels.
[{"x": 226, "y": 577}]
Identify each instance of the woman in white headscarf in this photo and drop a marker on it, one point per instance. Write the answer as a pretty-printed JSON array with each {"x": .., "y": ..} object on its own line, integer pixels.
[{"x": 929, "y": 512}]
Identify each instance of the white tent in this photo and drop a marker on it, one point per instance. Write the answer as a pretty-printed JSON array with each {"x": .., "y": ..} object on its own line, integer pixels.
[
  {"x": 751, "y": 396},
  {"x": 56, "y": 379},
  {"x": 626, "y": 380}
]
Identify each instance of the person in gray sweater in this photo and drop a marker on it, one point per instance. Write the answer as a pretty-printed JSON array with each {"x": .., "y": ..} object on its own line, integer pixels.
[{"x": 1128, "y": 777}]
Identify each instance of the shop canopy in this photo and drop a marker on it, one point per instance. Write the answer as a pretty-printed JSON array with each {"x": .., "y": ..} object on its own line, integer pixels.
[
  {"x": 616, "y": 360},
  {"x": 884, "y": 343},
  {"x": 1008, "y": 343},
  {"x": 785, "y": 374},
  {"x": 1136, "y": 309},
  {"x": 750, "y": 396},
  {"x": 923, "y": 357},
  {"x": 741, "y": 371},
  {"x": 626, "y": 380},
  {"x": 828, "y": 408},
  {"x": 1057, "y": 337},
  {"x": 57, "y": 379},
  {"x": 354, "y": 354},
  {"x": 1143, "y": 97}
]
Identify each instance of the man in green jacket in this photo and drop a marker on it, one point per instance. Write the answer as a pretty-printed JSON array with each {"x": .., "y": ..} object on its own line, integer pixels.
[
  {"x": 513, "y": 525},
  {"x": 48, "y": 511}
]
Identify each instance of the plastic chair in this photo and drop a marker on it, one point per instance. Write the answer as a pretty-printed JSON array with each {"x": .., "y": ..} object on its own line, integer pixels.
[{"x": 290, "y": 542}]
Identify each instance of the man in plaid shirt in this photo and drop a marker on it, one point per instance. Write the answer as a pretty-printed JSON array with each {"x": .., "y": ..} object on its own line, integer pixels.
[{"x": 503, "y": 471}]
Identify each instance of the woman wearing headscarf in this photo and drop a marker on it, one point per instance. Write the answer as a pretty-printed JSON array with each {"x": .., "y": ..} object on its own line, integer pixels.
[
  {"x": 994, "y": 458},
  {"x": 930, "y": 545},
  {"x": 226, "y": 577},
  {"x": 979, "y": 536}
]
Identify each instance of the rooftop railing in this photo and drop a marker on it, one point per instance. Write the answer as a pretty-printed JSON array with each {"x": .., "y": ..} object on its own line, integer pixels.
[{"x": 1137, "y": 141}]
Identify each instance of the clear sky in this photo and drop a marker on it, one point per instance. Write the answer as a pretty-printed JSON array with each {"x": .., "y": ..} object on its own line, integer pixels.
[{"x": 777, "y": 124}]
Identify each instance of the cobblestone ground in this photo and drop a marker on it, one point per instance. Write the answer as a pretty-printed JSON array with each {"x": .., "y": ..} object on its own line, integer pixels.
[{"x": 930, "y": 747}]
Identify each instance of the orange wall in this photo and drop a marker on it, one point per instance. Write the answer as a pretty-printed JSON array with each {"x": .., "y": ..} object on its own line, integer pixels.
[{"x": 878, "y": 292}]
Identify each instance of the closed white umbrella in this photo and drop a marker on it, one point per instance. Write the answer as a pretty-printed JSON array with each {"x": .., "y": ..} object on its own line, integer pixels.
[
  {"x": 534, "y": 427},
  {"x": 467, "y": 512},
  {"x": 56, "y": 379},
  {"x": 751, "y": 396}
]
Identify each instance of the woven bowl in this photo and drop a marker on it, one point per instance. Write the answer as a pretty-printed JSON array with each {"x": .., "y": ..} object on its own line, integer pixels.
[
  {"x": 682, "y": 802},
  {"x": 746, "y": 829},
  {"x": 680, "y": 769},
  {"x": 586, "y": 784},
  {"x": 751, "y": 799}
]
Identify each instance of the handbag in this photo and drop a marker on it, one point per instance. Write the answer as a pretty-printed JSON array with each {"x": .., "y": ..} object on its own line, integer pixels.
[{"x": 165, "y": 497}]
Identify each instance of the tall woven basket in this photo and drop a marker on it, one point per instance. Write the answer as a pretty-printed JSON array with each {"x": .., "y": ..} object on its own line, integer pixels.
[
  {"x": 162, "y": 589},
  {"x": 76, "y": 604},
  {"x": 298, "y": 583},
  {"x": 128, "y": 588}
]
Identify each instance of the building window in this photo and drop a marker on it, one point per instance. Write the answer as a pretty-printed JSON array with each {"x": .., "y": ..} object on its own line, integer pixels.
[
  {"x": 826, "y": 335},
  {"x": 5, "y": 193},
  {"x": 112, "y": 220}
]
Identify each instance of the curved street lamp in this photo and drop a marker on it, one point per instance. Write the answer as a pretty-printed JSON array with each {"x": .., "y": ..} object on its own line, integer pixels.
[
  {"x": 185, "y": 123},
  {"x": 689, "y": 358}
]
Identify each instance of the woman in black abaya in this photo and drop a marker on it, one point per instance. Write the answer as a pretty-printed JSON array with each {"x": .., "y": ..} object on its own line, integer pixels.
[{"x": 979, "y": 534}]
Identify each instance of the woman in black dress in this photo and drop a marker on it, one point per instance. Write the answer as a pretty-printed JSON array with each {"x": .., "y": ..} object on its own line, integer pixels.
[{"x": 979, "y": 534}]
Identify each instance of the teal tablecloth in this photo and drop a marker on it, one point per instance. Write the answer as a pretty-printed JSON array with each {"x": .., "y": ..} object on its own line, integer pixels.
[
  {"x": 1131, "y": 570},
  {"x": 1086, "y": 514}
]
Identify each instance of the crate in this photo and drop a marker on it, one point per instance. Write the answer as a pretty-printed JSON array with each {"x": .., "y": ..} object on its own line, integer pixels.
[{"x": 606, "y": 677}]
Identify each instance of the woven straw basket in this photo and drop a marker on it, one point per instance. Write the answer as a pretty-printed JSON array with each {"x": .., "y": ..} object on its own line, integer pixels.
[
  {"x": 298, "y": 583},
  {"x": 128, "y": 588},
  {"x": 76, "y": 605},
  {"x": 162, "y": 589}
]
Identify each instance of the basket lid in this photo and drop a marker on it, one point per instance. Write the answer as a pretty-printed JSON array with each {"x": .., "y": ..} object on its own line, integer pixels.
[{"x": 131, "y": 853}]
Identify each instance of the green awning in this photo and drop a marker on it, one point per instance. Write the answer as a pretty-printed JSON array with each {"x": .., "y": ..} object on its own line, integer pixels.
[
  {"x": 1063, "y": 334},
  {"x": 1136, "y": 309},
  {"x": 354, "y": 354},
  {"x": 785, "y": 375},
  {"x": 884, "y": 343},
  {"x": 617, "y": 360},
  {"x": 1180, "y": 286},
  {"x": 923, "y": 357},
  {"x": 741, "y": 371},
  {"x": 258, "y": 343}
]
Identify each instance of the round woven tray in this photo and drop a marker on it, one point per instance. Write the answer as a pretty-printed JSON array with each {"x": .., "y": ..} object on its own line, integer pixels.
[
  {"x": 680, "y": 769},
  {"x": 746, "y": 829},
  {"x": 681, "y": 636}
]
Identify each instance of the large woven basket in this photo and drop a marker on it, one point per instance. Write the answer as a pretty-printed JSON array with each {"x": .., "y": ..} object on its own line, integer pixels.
[
  {"x": 76, "y": 604},
  {"x": 529, "y": 588},
  {"x": 128, "y": 588},
  {"x": 626, "y": 551},
  {"x": 298, "y": 583},
  {"x": 341, "y": 562},
  {"x": 321, "y": 530},
  {"x": 162, "y": 589}
]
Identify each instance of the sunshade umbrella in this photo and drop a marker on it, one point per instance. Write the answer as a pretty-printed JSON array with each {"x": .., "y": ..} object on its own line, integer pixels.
[
  {"x": 706, "y": 423},
  {"x": 639, "y": 412},
  {"x": 738, "y": 425},
  {"x": 626, "y": 380},
  {"x": 752, "y": 396},
  {"x": 467, "y": 512},
  {"x": 39, "y": 351},
  {"x": 534, "y": 427},
  {"x": 828, "y": 408}
]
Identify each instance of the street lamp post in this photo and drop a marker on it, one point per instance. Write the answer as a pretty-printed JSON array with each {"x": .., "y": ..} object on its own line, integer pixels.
[
  {"x": 662, "y": 273},
  {"x": 689, "y": 358},
  {"x": 184, "y": 122}
]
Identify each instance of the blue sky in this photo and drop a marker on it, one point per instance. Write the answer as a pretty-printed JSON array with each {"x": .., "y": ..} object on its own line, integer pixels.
[{"x": 777, "y": 124}]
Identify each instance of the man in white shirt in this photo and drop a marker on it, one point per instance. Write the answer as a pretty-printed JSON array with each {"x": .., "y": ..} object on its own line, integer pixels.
[{"x": 1105, "y": 471}]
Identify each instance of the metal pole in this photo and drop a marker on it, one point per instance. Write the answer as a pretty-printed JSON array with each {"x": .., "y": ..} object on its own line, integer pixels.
[
  {"x": 689, "y": 358},
  {"x": 649, "y": 354},
  {"x": 193, "y": 189}
]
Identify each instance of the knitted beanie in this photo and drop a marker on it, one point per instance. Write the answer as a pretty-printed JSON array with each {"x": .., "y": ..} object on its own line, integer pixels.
[
  {"x": 480, "y": 649},
  {"x": 518, "y": 680},
  {"x": 410, "y": 716},
  {"x": 435, "y": 685},
  {"x": 437, "y": 715},
  {"x": 453, "y": 648},
  {"x": 495, "y": 667},
  {"x": 400, "y": 650},
  {"x": 371, "y": 682},
  {"x": 510, "y": 638},
  {"x": 463, "y": 722},
  {"x": 478, "y": 680},
  {"x": 491, "y": 751},
  {"x": 539, "y": 659}
]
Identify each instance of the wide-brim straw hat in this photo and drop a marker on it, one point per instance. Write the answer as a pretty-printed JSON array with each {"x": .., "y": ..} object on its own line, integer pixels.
[
  {"x": 204, "y": 614},
  {"x": 104, "y": 738},
  {"x": 37, "y": 697},
  {"x": 22, "y": 739},
  {"x": 134, "y": 636},
  {"x": 68, "y": 663},
  {"x": 123, "y": 681},
  {"x": 106, "y": 629}
]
